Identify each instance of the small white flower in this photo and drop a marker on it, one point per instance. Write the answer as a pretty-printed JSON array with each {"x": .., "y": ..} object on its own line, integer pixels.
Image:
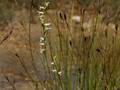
[
  {"x": 60, "y": 73},
  {"x": 42, "y": 44},
  {"x": 47, "y": 28},
  {"x": 41, "y": 17},
  {"x": 42, "y": 8},
  {"x": 76, "y": 18},
  {"x": 40, "y": 12},
  {"x": 47, "y": 24},
  {"x": 42, "y": 38},
  {"x": 52, "y": 63},
  {"x": 47, "y": 3},
  {"x": 42, "y": 50},
  {"x": 54, "y": 70}
]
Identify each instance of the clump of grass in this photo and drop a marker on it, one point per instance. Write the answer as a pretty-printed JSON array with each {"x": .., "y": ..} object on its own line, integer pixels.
[
  {"x": 86, "y": 61},
  {"x": 77, "y": 53}
]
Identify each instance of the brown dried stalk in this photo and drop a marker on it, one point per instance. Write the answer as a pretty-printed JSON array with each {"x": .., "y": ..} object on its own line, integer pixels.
[{"x": 6, "y": 37}]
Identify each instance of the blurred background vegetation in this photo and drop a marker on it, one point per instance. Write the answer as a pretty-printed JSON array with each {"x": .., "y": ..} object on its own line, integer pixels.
[{"x": 110, "y": 8}]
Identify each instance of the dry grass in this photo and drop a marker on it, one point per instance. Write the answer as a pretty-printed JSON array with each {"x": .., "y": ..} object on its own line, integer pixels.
[{"x": 80, "y": 54}]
